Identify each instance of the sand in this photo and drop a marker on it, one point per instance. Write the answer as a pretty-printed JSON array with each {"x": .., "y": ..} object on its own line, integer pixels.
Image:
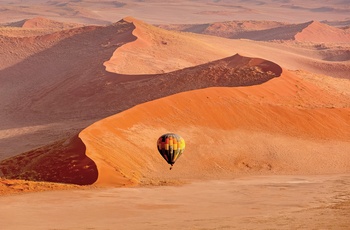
[
  {"x": 85, "y": 93},
  {"x": 264, "y": 202}
]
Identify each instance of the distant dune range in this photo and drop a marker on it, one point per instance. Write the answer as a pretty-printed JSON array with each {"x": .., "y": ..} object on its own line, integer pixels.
[
  {"x": 260, "y": 115},
  {"x": 312, "y": 31}
]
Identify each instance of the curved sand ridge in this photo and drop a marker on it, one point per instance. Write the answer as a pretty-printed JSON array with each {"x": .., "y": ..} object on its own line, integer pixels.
[
  {"x": 285, "y": 125},
  {"x": 158, "y": 51}
]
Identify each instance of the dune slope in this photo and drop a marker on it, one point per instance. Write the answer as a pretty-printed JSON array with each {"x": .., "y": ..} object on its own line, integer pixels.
[
  {"x": 285, "y": 125},
  {"x": 276, "y": 127}
]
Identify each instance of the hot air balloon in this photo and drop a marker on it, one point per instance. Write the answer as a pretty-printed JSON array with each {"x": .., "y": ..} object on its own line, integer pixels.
[{"x": 170, "y": 147}]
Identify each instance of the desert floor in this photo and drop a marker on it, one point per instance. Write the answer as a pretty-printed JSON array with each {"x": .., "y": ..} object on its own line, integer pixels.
[{"x": 251, "y": 202}]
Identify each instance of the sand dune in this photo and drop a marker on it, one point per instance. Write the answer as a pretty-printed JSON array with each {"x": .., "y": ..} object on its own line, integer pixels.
[
  {"x": 229, "y": 29},
  {"x": 227, "y": 131},
  {"x": 233, "y": 71},
  {"x": 43, "y": 23},
  {"x": 60, "y": 94},
  {"x": 57, "y": 83},
  {"x": 61, "y": 66},
  {"x": 312, "y": 31},
  {"x": 285, "y": 125},
  {"x": 264, "y": 106},
  {"x": 318, "y": 32},
  {"x": 158, "y": 51},
  {"x": 32, "y": 27}
]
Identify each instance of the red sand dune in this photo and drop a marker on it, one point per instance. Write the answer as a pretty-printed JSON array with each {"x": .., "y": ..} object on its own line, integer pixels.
[
  {"x": 56, "y": 82},
  {"x": 232, "y": 71},
  {"x": 246, "y": 108},
  {"x": 281, "y": 126},
  {"x": 286, "y": 125},
  {"x": 156, "y": 51},
  {"x": 50, "y": 97}
]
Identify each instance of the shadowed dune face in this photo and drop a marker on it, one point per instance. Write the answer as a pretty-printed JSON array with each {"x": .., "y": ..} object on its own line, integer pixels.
[
  {"x": 55, "y": 75},
  {"x": 63, "y": 162}
]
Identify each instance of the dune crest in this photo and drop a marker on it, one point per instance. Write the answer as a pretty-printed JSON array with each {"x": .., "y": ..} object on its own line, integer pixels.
[
  {"x": 158, "y": 51},
  {"x": 320, "y": 32}
]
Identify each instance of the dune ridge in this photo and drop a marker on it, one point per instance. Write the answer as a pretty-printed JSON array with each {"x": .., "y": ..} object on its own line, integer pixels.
[{"x": 157, "y": 51}]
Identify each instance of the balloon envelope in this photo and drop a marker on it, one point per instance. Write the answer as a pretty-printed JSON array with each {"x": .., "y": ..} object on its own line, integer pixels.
[{"x": 170, "y": 147}]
